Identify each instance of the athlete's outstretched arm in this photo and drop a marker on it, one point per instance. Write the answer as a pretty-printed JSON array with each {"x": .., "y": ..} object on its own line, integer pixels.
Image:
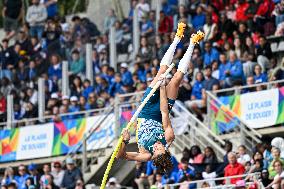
[
  {"x": 132, "y": 156},
  {"x": 169, "y": 132}
]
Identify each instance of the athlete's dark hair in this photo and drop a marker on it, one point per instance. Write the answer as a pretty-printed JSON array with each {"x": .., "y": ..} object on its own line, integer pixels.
[{"x": 163, "y": 162}]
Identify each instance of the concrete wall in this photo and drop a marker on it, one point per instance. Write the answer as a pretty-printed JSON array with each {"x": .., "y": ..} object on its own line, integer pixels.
[{"x": 98, "y": 9}]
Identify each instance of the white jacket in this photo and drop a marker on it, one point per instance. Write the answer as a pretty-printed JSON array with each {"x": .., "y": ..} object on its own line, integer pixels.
[{"x": 36, "y": 15}]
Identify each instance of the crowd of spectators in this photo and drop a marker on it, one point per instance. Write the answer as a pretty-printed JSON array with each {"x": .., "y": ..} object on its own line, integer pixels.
[
  {"x": 267, "y": 159},
  {"x": 235, "y": 52},
  {"x": 49, "y": 176}
]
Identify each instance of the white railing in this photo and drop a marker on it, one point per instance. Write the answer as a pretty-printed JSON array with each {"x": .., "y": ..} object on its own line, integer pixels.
[
  {"x": 50, "y": 118},
  {"x": 255, "y": 177},
  {"x": 238, "y": 89}
]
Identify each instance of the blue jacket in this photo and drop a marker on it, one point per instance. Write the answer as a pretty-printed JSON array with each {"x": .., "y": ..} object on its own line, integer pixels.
[
  {"x": 211, "y": 56},
  {"x": 126, "y": 78},
  {"x": 222, "y": 69},
  {"x": 197, "y": 90},
  {"x": 261, "y": 78},
  {"x": 236, "y": 70},
  {"x": 181, "y": 173},
  {"x": 115, "y": 88},
  {"x": 21, "y": 181},
  {"x": 87, "y": 91},
  {"x": 198, "y": 21},
  {"x": 55, "y": 72}
]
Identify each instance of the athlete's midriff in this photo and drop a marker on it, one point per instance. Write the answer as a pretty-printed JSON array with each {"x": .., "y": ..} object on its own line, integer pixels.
[{"x": 152, "y": 108}]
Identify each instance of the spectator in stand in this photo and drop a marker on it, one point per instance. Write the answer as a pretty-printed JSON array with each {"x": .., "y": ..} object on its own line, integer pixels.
[
  {"x": 34, "y": 175},
  {"x": 55, "y": 69},
  {"x": 182, "y": 13},
  {"x": 92, "y": 102},
  {"x": 259, "y": 76},
  {"x": 209, "y": 174},
  {"x": 209, "y": 81},
  {"x": 77, "y": 65},
  {"x": 73, "y": 107},
  {"x": 51, "y": 7},
  {"x": 243, "y": 157},
  {"x": 248, "y": 64},
  {"x": 278, "y": 181},
  {"x": 22, "y": 177},
  {"x": 228, "y": 148},
  {"x": 71, "y": 174},
  {"x": 109, "y": 21},
  {"x": 241, "y": 9},
  {"x": 264, "y": 53},
  {"x": 147, "y": 27},
  {"x": 210, "y": 54},
  {"x": 50, "y": 183},
  {"x": 276, "y": 157},
  {"x": 36, "y": 16},
  {"x": 80, "y": 184},
  {"x": 77, "y": 87},
  {"x": 6, "y": 60},
  {"x": 12, "y": 186},
  {"x": 184, "y": 171},
  {"x": 165, "y": 23},
  {"x": 140, "y": 176},
  {"x": 88, "y": 88},
  {"x": 196, "y": 93},
  {"x": 278, "y": 142},
  {"x": 235, "y": 73},
  {"x": 233, "y": 168},
  {"x": 12, "y": 12},
  {"x": 8, "y": 177},
  {"x": 145, "y": 50},
  {"x": 113, "y": 183},
  {"x": 51, "y": 38},
  {"x": 126, "y": 75},
  {"x": 43, "y": 178},
  {"x": 57, "y": 173},
  {"x": 2, "y": 106},
  {"x": 143, "y": 9},
  {"x": 209, "y": 156},
  {"x": 199, "y": 19},
  {"x": 196, "y": 157},
  {"x": 210, "y": 29},
  {"x": 265, "y": 178}
]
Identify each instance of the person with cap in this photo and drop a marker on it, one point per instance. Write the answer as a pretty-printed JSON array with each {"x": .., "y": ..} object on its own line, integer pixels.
[
  {"x": 154, "y": 132},
  {"x": 57, "y": 173},
  {"x": 113, "y": 183},
  {"x": 74, "y": 107},
  {"x": 71, "y": 174},
  {"x": 126, "y": 75},
  {"x": 34, "y": 175}
]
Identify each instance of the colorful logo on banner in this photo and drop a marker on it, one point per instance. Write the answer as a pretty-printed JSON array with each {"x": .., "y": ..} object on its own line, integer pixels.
[
  {"x": 67, "y": 135},
  {"x": 257, "y": 109},
  {"x": 222, "y": 119},
  {"x": 9, "y": 144},
  {"x": 124, "y": 120},
  {"x": 280, "y": 118}
]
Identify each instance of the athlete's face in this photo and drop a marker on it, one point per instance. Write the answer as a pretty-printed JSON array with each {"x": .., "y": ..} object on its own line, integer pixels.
[{"x": 158, "y": 148}]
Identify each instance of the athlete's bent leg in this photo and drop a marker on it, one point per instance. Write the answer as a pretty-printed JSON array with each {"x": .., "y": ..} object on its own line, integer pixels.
[
  {"x": 168, "y": 57},
  {"x": 173, "y": 86}
]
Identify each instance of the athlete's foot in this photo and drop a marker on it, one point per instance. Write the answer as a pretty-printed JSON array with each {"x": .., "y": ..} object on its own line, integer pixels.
[
  {"x": 196, "y": 38},
  {"x": 180, "y": 30}
]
